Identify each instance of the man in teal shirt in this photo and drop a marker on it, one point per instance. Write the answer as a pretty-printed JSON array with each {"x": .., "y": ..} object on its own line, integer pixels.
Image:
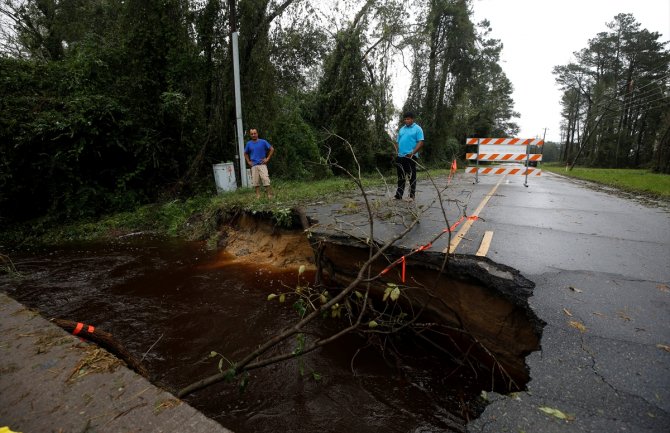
[{"x": 410, "y": 142}]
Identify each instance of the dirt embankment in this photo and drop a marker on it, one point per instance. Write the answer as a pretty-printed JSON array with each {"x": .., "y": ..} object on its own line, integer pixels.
[
  {"x": 480, "y": 306},
  {"x": 257, "y": 240},
  {"x": 485, "y": 304}
]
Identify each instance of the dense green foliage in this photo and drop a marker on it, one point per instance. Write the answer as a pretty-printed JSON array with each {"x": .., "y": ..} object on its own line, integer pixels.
[
  {"x": 615, "y": 101},
  {"x": 111, "y": 104}
]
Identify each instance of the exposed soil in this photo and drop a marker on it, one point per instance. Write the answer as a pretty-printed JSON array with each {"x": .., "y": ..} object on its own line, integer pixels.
[
  {"x": 253, "y": 240},
  {"x": 480, "y": 305},
  {"x": 483, "y": 305}
]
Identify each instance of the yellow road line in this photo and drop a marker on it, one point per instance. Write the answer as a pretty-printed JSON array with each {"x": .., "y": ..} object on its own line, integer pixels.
[
  {"x": 486, "y": 243},
  {"x": 466, "y": 226}
]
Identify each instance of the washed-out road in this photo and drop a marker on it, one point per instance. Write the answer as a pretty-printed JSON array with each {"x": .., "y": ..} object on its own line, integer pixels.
[{"x": 601, "y": 264}]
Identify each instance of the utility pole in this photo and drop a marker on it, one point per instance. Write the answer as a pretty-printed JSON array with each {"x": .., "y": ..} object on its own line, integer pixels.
[{"x": 238, "y": 94}]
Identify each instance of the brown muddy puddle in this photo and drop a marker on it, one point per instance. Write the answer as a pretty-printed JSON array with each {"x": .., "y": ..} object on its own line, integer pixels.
[{"x": 189, "y": 301}]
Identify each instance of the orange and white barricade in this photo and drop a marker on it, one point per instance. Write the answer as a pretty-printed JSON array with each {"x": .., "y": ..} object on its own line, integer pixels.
[{"x": 504, "y": 150}]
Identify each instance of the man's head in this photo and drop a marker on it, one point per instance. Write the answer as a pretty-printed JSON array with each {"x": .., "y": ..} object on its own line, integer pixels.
[
  {"x": 408, "y": 118},
  {"x": 254, "y": 134}
]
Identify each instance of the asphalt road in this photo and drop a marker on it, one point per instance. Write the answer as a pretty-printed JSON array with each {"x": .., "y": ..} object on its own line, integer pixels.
[{"x": 601, "y": 264}]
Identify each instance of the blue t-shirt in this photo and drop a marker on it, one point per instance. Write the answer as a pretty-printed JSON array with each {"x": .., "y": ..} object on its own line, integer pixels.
[
  {"x": 408, "y": 137},
  {"x": 257, "y": 150}
]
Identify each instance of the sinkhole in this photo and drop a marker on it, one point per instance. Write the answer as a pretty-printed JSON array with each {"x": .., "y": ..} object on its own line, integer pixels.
[
  {"x": 472, "y": 310},
  {"x": 454, "y": 330}
]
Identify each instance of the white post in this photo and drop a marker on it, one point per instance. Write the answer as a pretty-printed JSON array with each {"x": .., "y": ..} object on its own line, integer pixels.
[
  {"x": 525, "y": 182},
  {"x": 238, "y": 110},
  {"x": 477, "y": 162}
]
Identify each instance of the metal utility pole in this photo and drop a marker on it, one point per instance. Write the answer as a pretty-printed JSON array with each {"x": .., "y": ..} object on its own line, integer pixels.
[{"x": 238, "y": 93}]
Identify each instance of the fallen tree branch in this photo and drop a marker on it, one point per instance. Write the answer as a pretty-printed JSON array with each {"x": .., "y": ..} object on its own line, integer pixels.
[
  {"x": 104, "y": 340},
  {"x": 295, "y": 329}
]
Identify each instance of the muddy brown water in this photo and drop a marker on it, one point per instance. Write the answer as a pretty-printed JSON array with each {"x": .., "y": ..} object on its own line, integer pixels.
[{"x": 187, "y": 301}]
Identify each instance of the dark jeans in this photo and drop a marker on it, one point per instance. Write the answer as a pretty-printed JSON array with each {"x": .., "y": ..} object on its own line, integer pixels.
[{"x": 405, "y": 167}]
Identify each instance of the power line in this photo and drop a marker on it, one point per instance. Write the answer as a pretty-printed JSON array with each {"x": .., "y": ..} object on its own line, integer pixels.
[
  {"x": 647, "y": 108},
  {"x": 638, "y": 101}
]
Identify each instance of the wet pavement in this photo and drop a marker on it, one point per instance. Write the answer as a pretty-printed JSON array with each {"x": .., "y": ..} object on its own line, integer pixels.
[
  {"x": 601, "y": 261},
  {"x": 601, "y": 264}
]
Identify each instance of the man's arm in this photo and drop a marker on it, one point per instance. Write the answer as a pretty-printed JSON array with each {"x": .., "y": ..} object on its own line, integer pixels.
[
  {"x": 246, "y": 156},
  {"x": 416, "y": 150},
  {"x": 267, "y": 158}
]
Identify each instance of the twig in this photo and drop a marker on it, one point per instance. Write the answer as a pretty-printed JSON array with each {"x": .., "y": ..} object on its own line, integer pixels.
[{"x": 152, "y": 346}]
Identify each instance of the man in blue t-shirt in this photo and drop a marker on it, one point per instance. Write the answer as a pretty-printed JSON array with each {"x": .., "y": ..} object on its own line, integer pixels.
[
  {"x": 410, "y": 142},
  {"x": 258, "y": 152}
]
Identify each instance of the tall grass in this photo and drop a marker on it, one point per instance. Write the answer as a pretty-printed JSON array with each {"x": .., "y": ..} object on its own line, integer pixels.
[{"x": 631, "y": 180}]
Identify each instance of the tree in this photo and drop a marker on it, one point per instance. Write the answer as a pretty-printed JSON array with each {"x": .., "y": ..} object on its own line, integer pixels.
[
  {"x": 614, "y": 97},
  {"x": 107, "y": 116},
  {"x": 123, "y": 102},
  {"x": 342, "y": 102},
  {"x": 458, "y": 88}
]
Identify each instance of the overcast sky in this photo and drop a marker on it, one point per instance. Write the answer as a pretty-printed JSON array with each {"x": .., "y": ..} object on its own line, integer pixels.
[{"x": 540, "y": 34}]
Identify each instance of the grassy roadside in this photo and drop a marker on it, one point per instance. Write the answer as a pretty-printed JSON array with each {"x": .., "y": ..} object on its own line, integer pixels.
[
  {"x": 631, "y": 180},
  {"x": 194, "y": 218}
]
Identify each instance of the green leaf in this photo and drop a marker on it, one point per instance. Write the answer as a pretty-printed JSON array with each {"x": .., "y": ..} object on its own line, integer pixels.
[
  {"x": 395, "y": 294},
  {"x": 212, "y": 354},
  {"x": 300, "y": 307},
  {"x": 316, "y": 376},
  {"x": 372, "y": 324},
  {"x": 271, "y": 296},
  {"x": 335, "y": 310},
  {"x": 221, "y": 365},
  {"x": 300, "y": 346},
  {"x": 301, "y": 270},
  {"x": 358, "y": 294},
  {"x": 230, "y": 375},
  {"x": 387, "y": 292},
  {"x": 282, "y": 298},
  {"x": 556, "y": 413}
]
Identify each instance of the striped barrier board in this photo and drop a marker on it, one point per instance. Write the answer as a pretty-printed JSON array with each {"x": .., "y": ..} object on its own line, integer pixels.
[
  {"x": 506, "y": 141},
  {"x": 506, "y": 170},
  {"x": 515, "y": 150},
  {"x": 504, "y": 156}
]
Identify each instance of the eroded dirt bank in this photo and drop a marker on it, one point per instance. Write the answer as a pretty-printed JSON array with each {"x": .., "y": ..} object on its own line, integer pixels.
[
  {"x": 257, "y": 240},
  {"x": 476, "y": 310}
]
